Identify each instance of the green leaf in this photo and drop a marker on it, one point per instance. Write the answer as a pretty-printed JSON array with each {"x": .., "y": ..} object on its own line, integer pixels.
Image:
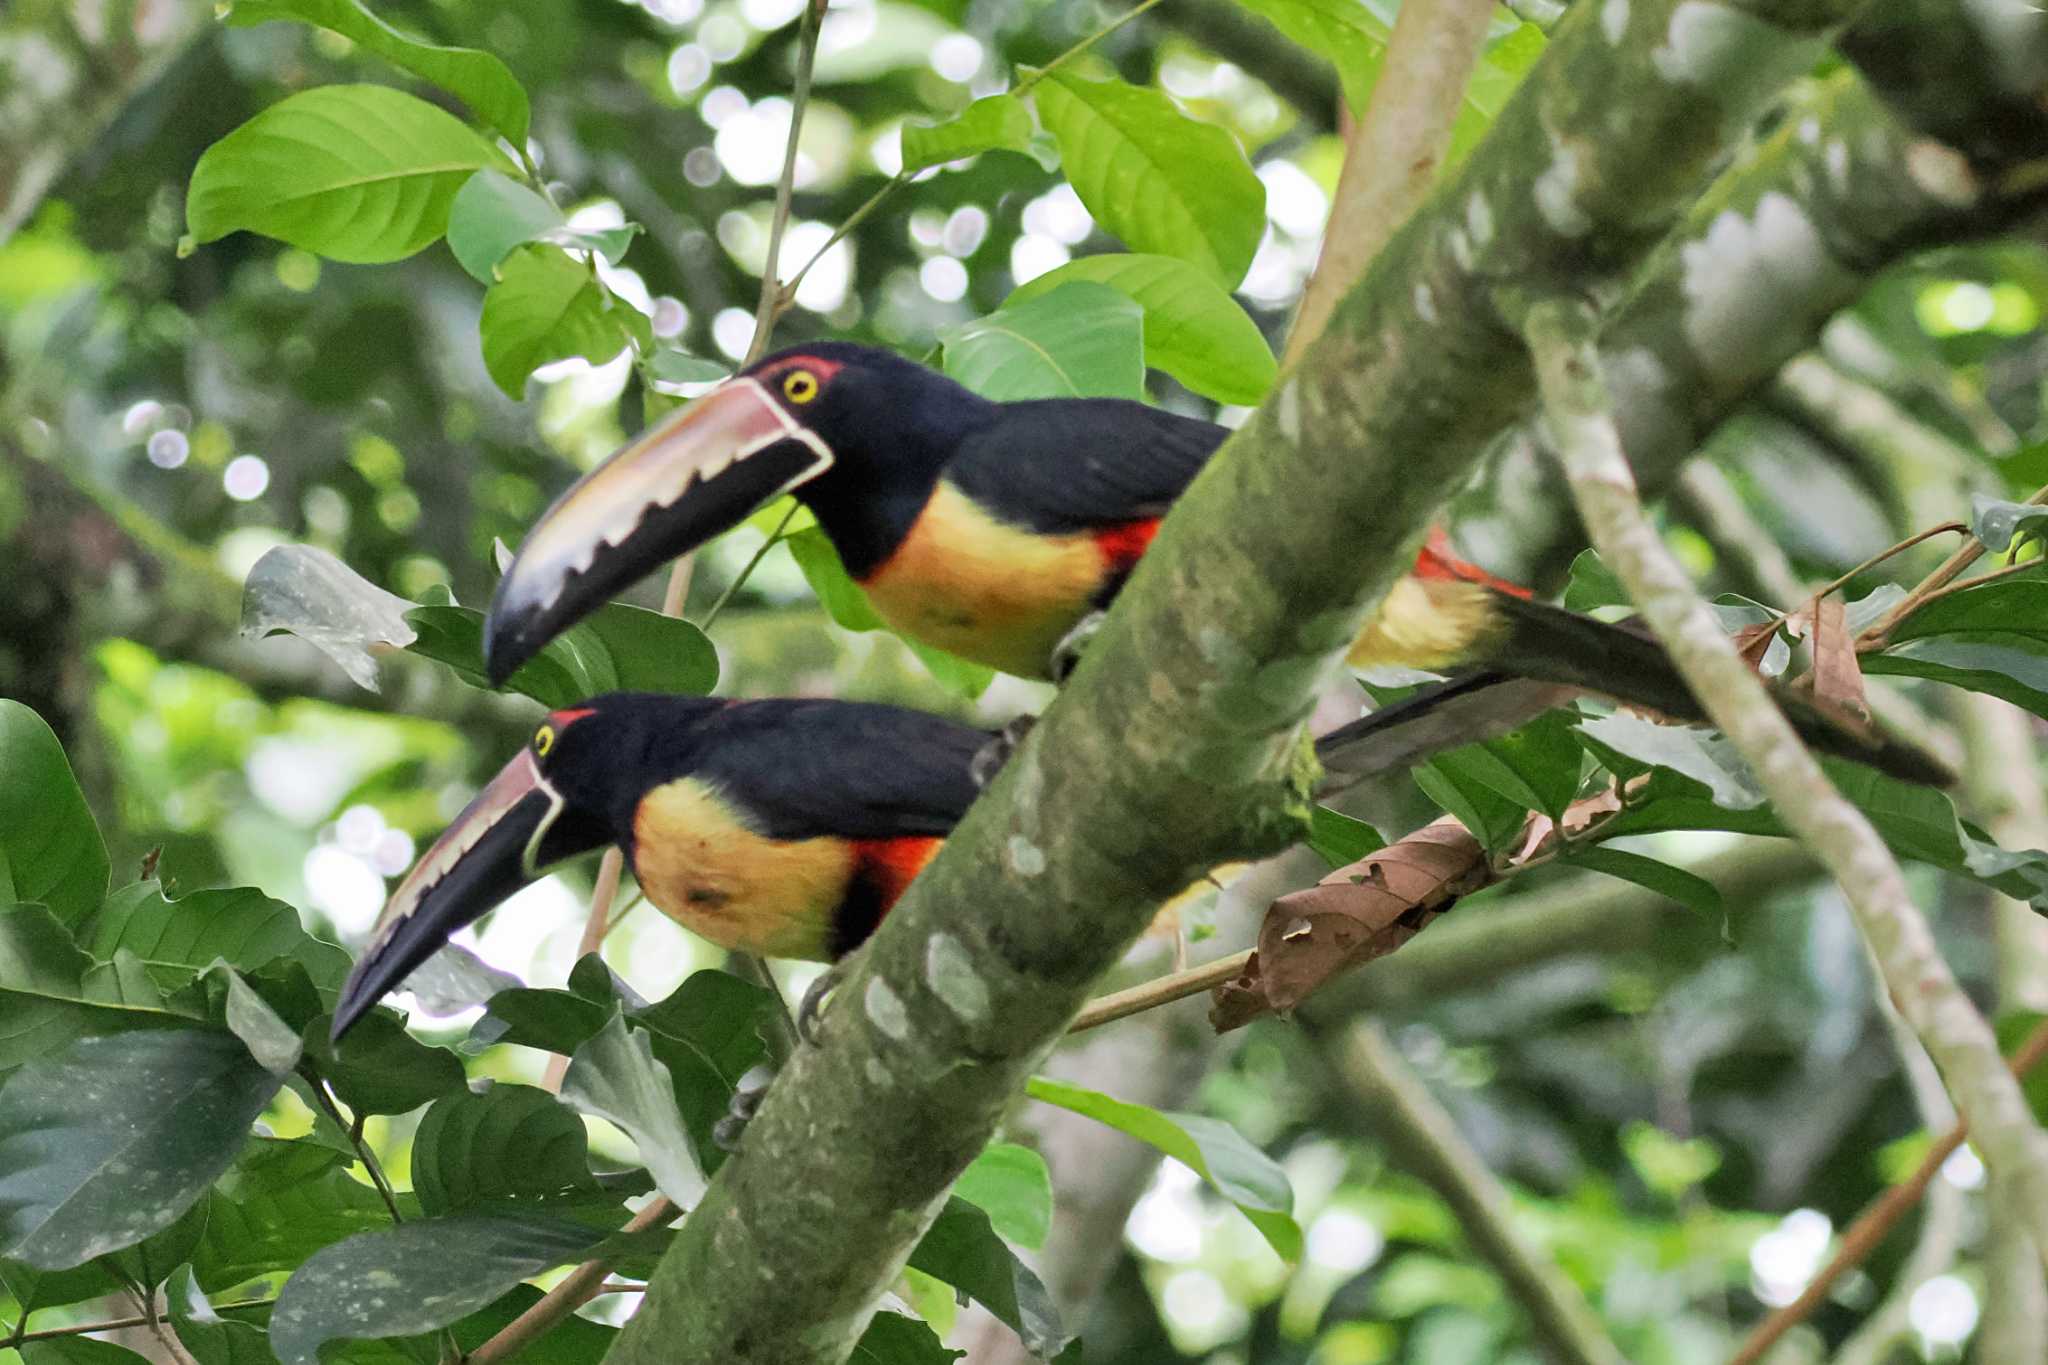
[
  {"x": 992, "y": 124},
  {"x": 352, "y": 172},
  {"x": 548, "y": 306},
  {"x": 32, "y": 1289},
  {"x": 1082, "y": 340},
  {"x": 379, "y": 1068},
  {"x": 1995, "y": 521},
  {"x": 1012, "y": 1186},
  {"x": 1347, "y": 32},
  {"x": 1194, "y": 330},
  {"x": 150, "y": 1262},
  {"x": 962, "y": 677},
  {"x": 680, "y": 367},
  {"x": 616, "y": 647},
  {"x": 415, "y": 1277},
  {"x": 1535, "y": 768},
  {"x": 893, "y": 1339},
  {"x": 1694, "y": 893},
  {"x": 49, "y": 845},
  {"x": 1628, "y": 744},
  {"x": 278, "y": 1204},
  {"x": 1501, "y": 67},
  {"x": 78, "y": 1351},
  {"x": 205, "y": 1334},
  {"x": 512, "y": 1142},
  {"x": 962, "y": 1249},
  {"x": 1340, "y": 840},
  {"x": 271, "y": 1041},
  {"x": 842, "y": 598},
  {"x": 616, "y": 1076},
  {"x": 178, "y": 939},
  {"x": 492, "y": 214},
  {"x": 1497, "y": 820},
  {"x": 1593, "y": 584},
  {"x": 1991, "y": 639},
  {"x": 455, "y": 636},
  {"x": 478, "y": 79},
  {"x": 112, "y": 1139},
  {"x": 1158, "y": 179},
  {"x": 1211, "y": 1148},
  {"x": 44, "y": 1000},
  {"x": 650, "y": 652}
]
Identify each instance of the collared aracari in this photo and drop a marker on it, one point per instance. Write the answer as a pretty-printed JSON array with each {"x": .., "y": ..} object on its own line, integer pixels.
[{"x": 994, "y": 530}]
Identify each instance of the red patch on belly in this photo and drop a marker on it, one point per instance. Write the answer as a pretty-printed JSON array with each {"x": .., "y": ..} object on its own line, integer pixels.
[
  {"x": 1122, "y": 546},
  {"x": 890, "y": 865},
  {"x": 1437, "y": 560}
]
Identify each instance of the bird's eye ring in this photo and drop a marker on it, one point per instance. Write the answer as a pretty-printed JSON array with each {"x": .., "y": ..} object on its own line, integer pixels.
[
  {"x": 800, "y": 386},
  {"x": 544, "y": 740}
]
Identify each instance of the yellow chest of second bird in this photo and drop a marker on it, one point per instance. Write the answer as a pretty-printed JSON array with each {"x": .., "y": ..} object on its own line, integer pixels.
[{"x": 983, "y": 589}]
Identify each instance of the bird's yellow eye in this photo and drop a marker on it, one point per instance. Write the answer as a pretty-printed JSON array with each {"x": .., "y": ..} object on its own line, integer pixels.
[
  {"x": 800, "y": 386},
  {"x": 544, "y": 740}
]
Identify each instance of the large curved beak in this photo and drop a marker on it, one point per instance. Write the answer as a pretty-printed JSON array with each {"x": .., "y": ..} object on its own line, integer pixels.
[
  {"x": 699, "y": 473},
  {"x": 514, "y": 827}
]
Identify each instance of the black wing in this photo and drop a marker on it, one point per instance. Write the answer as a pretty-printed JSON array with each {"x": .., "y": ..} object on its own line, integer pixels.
[
  {"x": 853, "y": 770},
  {"x": 1061, "y": 465}
]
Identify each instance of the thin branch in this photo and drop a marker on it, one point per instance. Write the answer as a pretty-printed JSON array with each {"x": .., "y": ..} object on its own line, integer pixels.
[
  {"x": 1423, "y": 1138},
  {"x": 1865, "y": 1234},
  {"x": 774, "y": 298},
  {"x": 1392, "y": 155},
  {"x": 1950, "y": 570},
  {"x": 1577, "y": 410},
  {"x": 575, "y": 1289},
  {"x": 80, "y": 1329},
  {"x": 1162, "y": 990},
  {"x": 354, "y": 1128}
]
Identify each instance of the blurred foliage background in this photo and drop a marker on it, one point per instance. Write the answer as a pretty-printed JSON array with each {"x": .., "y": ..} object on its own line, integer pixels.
[{"x": 1685, "y": 1110}]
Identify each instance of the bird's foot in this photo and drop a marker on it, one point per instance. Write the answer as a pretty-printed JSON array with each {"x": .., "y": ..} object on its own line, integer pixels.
[
  {"x": 989, "y": 759},
  {"x": 745, "y": 1103},
  {"x": 810, "y": 1011},
  {"x": 1067, "y": 652}
]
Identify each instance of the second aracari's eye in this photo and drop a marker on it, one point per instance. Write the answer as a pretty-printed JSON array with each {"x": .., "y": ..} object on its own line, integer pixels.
[
  {"x": 544, "y": 740},
  {"x": 800, "y": 386}
]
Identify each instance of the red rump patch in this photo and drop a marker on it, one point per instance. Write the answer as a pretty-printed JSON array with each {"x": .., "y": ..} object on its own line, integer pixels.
[
  {"x": 1436, "y": 559},
  {"x": 890, "y": 865},
  {"x": 1123, "y": 546}
]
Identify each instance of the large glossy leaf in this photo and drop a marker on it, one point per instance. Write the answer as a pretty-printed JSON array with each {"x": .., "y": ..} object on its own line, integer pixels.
[
  {"x": 278, "y": 1204},
  {"x": 1194, "y": 330},
  {"x": 1349, "y": 33},
  {"x": 379, "y": 1068},
  {"x": 1990, "y": 639},
  {"x": 352, "y": 172},
  {"x": 510, "y": 1143},
  {"x": 50, "y": 849},
  {"x": 1082, "y": 340},
  {"x": 1211, "y": 1148},
  {"x": 414, "y": 1278},
  {"x": 616, "y": 647},
  {"x": 1535, "y": 768},
  {"x": 45, "y": 1002},
  {"x": 1013, "y": 1187},
  {"x": 994, "y": 123},
  {"x": 1691, "y": 891},
  {"x": 178, "y": 939},
  {"x": 112, "y": 1139},
  {"x": 32, "y": 1289},
  {"x": 78, "y": 1351},
  {"x": 479, "y": 79},
  {"x": 1159, "y": 180},
  {"x": 616, "y": 1076},
  {"x": 548, "y": 306},
  {"x": 962, "y": 1249}
]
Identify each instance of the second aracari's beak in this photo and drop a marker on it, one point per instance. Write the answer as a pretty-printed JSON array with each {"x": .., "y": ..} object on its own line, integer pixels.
[
  {"x": 514, "y": 827},
  {"x": 699, "y": 473}
]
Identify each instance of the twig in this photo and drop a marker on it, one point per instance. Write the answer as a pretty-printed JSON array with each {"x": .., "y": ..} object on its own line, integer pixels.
[
  {"x": 1424, "y": 1139},
  {"x": 747, "y": 569},
  {"x": 1161, "y": 990},
  {"x": 1561, "y": 335},
  {"x": 1863, "y": 1236},
  {"x": 575, "y": 1289},
  {"x": 1882, "y": 555},
  {"x": 354, "y": 1129},
  {"x": 1951, "y": 569},
  {"x": 1964, "y": 585},
  {"x": 144, "y": 1297},
  {"x": 80, "y": 1329},
  {"x": 1393, "y": 154},
  {"x": 773, "y": 297}
]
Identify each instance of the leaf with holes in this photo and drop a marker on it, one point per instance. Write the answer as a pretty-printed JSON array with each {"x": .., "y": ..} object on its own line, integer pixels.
[
  {"x": 50, "y": 849},
  {"x": 1161, "y": 181},
  {"x": 112, "y": 1139},
  {"x": 1194, "y": 330},
  {"x": 1082, "y": 340},
  {"x": 1211, "y": 1148},
  {"x": 548, "y": 306},
  {"x": 357, "y": 173},
  {"x": 992, "y": 124},
  {"x": 478, "y": 79}
]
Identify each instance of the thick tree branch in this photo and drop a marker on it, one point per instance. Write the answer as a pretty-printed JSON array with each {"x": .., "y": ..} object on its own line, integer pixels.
[
  {"x": 1422, "y": 1139},
  {"x": 1391, "y": 157},
  {"x": 1175, "y": 747},
  {"x": 1920, "y": 982}
]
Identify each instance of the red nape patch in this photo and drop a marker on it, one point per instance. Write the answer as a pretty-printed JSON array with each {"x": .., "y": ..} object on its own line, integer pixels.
[
  {"x": 1125, "y": 545},
  {"x": 888, "y": 866},
  {"x": 1437, "y": 560}
]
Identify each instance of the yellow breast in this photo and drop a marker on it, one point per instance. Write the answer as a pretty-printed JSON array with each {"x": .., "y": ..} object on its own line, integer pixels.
[
  {"x": 983, "y": 589},
  {"x": 1430, "y": 623},
  {"x": 703, "y": 867}
]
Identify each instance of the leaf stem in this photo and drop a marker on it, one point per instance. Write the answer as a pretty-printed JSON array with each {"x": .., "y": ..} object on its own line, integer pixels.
[
  {"x": 1967, "y": 554},
  {"x": 1034, "y": 77},
  {"x": 354, "y": 1128},
  {"x": 747, "y": 569},
  {"x": 1882, "y": 555}
]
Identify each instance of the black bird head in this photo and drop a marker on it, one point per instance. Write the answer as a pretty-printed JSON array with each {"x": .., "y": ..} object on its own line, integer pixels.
[
  {"x": 570, "y": 790},
  {"x": 842, "y": 425}
]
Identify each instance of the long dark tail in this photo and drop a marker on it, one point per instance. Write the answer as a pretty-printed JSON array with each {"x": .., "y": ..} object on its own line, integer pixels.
[{"x": 1540, "y": 657}]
